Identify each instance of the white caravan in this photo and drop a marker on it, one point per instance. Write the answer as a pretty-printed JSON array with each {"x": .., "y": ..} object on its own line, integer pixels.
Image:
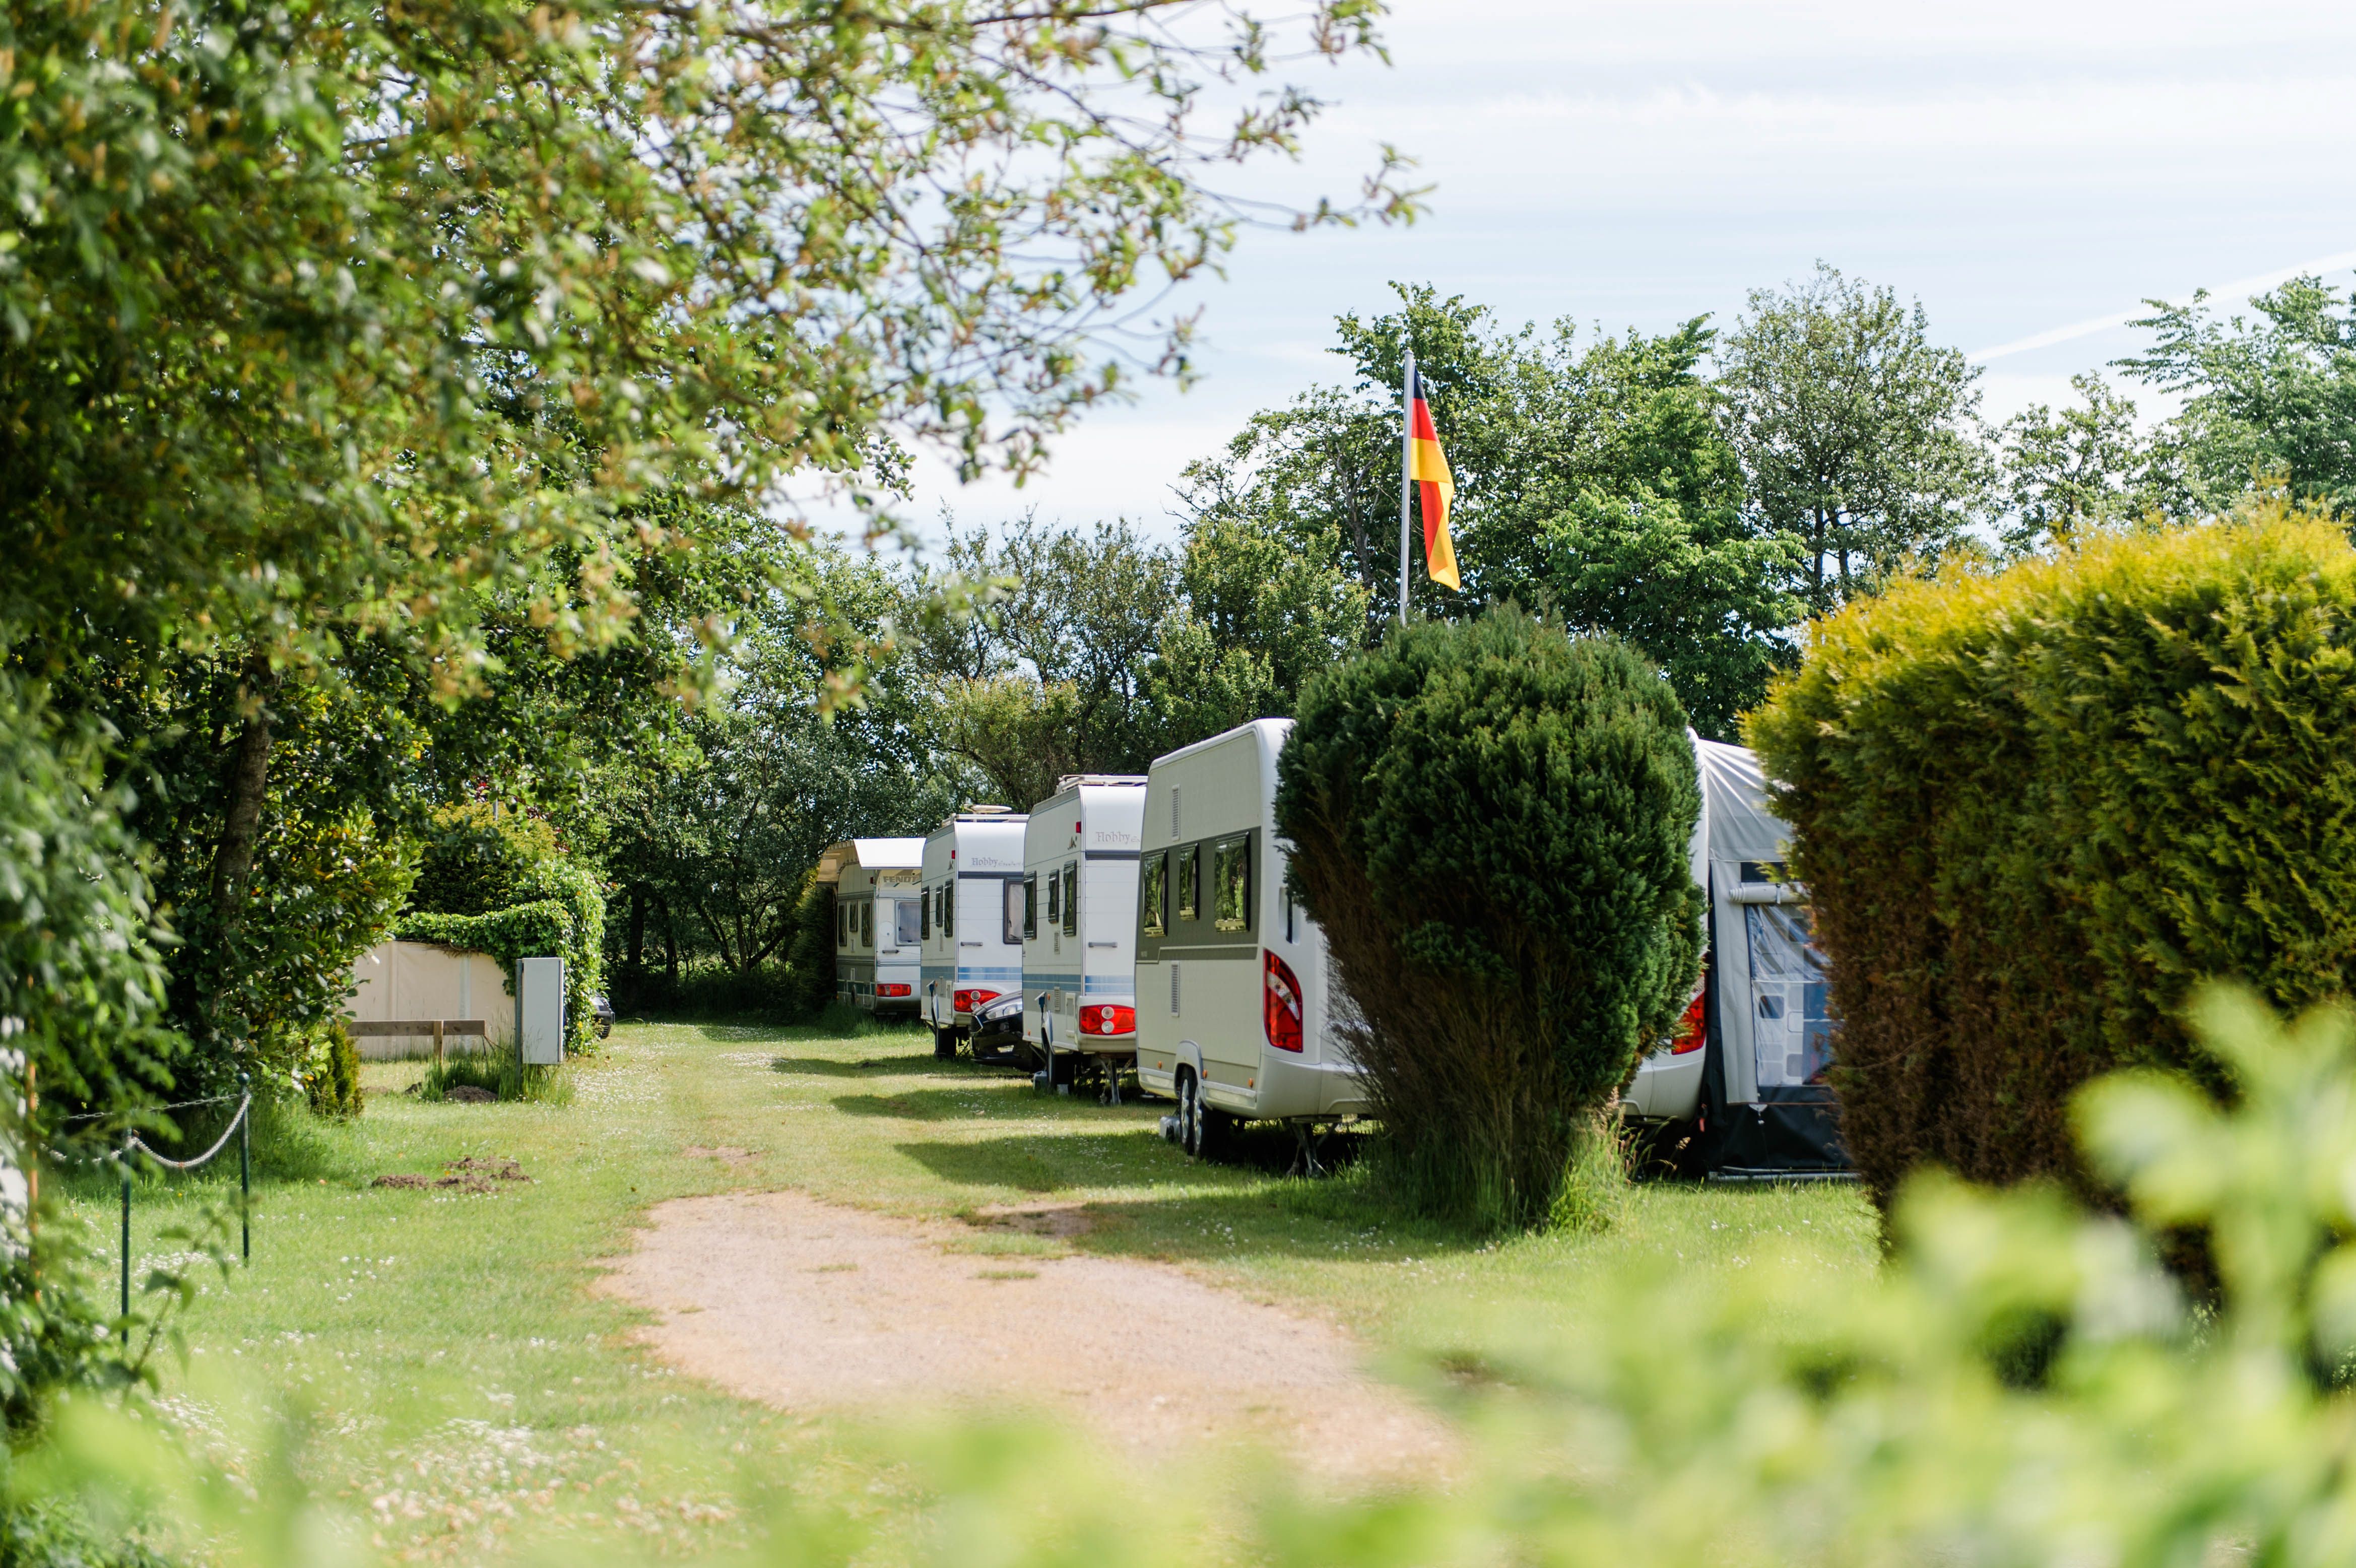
[
  {"x": 1235, "y": 1012},
  {"x": 972, "y": 919},
  {"x": 875, "y": 921},
  {"x": 1752, "y": 1057},
  {"x": 1079, "y": 925}
]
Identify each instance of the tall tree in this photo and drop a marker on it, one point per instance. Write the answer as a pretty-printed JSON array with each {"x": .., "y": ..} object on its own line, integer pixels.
[
  {"x": 1048, "y": 680},
  {"x": 1591, "y": 478},
  {"x": 336, "y": 328},
  {"x": 2271, "y": 394},
  {"x": 1858, "y": 434},
  {"x": 2083, "y": 468}
]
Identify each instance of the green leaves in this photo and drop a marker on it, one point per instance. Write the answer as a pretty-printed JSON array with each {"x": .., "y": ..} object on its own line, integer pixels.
[
  {"x": 2036, "y": 810},
  {"x": 1860, "y": 437},
  {"x": 1491, "y": 822},
  {"x": 2269, "y": 397}
]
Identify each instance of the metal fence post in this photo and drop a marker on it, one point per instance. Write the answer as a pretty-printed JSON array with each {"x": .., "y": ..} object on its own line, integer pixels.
[
  {"x": 245, "y": 1166},
  {"x": 126, "y": 1241}
]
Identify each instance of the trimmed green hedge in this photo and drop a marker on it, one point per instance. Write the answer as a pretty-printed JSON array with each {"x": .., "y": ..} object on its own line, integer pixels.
[
  {"x": 528, "y": 930},
  {"x": 1490, "y": 821},
  {"x": 2033, "y": 809}
]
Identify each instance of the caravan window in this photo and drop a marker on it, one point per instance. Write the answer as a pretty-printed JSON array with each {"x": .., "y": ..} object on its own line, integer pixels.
[
  {"x": 1156, "y": 882},
  {"x": 842, "y": 925},
  {"x": 867, "y": 922},
  {"x": 1190, "y": 879},
  {"x": 1072, "y": 900},
  {"x": 907, "y": 913},
  {"x": 1231, "y": 884},
  {"x": 1030, "y": 906},
  {"x": 925, "y": 928},
  {"x": 1792, "y": 1027},
  {"x": 1054, "y": 899},
  {"x": 948, "y": 907}
]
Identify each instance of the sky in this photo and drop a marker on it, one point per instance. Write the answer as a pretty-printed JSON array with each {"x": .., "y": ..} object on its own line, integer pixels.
[{"x": 2029, "y": 171}]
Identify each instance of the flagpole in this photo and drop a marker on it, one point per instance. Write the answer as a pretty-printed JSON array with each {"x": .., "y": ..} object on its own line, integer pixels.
[{"x": 1407, "y": 472}]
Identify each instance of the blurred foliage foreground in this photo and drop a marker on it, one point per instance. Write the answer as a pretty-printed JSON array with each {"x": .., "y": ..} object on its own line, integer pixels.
[{"x": 2022, "y": 1383}]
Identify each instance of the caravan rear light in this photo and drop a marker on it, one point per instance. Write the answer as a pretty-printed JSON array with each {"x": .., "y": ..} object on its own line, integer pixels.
[
  {"x": 891, "y": 990},
  {"x": 1280, "y": 1002},
  {"x": 967, "y": 1001},
  {"x": 1107, "y": 1019},
  {"x": 1691, "y": 1036}
]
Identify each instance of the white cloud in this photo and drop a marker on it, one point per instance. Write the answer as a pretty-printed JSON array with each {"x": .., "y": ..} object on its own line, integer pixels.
[{"x": 2031, "y": 169}]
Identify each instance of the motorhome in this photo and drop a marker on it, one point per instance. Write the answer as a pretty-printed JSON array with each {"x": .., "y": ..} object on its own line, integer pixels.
[
  {"x": 1081, "y": 855},
  {"x": 1745, "y": 1077},
  {"x": 969, "y": 921},
  {"x": 876, "y": 921},
  {"x": 1236, "y": 1012}
]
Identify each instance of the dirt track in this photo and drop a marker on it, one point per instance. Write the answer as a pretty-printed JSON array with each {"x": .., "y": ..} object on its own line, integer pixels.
[{"x": 807, "y": 1305}]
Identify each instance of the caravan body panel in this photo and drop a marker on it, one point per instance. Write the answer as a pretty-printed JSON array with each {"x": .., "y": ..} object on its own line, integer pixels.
[
  {"x": 970, "y": 947},
  {"x": 875, "y": 918},
  {"x": 1216, "y": 931},
  {"x": 1081, "y": 857}
]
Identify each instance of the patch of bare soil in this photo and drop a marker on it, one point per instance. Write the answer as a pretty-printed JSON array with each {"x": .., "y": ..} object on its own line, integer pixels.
[{"x": 809, "y": 1306}]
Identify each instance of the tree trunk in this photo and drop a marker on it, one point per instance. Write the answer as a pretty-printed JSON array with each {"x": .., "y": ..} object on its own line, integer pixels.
[
  {"x": 248, "y": 780},
  {"x": 637, "y": 932},
  {"x": 670, "y": 946}
]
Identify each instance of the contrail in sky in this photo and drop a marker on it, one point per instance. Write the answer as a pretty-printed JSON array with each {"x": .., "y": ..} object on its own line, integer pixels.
[{"x": 2235, "y": 292}]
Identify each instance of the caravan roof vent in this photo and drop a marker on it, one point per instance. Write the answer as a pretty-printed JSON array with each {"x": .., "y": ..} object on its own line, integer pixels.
[
  {"x": 1069, "y": 779},
  {"x": 986, "y": 811}
]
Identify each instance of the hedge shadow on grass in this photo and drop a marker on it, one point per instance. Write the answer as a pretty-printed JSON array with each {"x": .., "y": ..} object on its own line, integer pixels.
[{"x": 1046, "y": 1162}]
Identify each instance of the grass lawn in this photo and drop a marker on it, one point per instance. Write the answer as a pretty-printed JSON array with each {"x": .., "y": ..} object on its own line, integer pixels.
[{"x": 466, "y": 1390}]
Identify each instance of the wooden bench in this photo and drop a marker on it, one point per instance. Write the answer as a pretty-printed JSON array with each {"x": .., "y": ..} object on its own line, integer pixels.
[{"x": 417, "y": 1027}]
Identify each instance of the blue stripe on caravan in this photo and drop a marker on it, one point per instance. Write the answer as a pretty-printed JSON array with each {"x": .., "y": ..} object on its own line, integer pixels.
[
  {"x": 1109, "y": 986},
  {"x": 1043, "y": 977},
  {"x": 991, "y": 976}
]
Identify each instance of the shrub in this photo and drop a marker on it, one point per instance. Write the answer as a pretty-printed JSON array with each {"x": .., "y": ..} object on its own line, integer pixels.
[
  {"x": 1491, "y": 822},
  {"x": 2034, "y": 809},
  {"x": 502, "y": 1072},
  {"x": 709, "y": 988},
  {"x": 483, "y": 862},
  {"x": 527, "y": 930},
  {"x": 82, "y": 983},
  {"x": 810, "y": 956},
  {"x": 480, "y": 857},
  {"x": 334, "y": 1084}
]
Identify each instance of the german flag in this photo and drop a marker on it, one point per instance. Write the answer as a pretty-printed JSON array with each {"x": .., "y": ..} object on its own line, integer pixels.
[{"x": 1426, "y": 465}]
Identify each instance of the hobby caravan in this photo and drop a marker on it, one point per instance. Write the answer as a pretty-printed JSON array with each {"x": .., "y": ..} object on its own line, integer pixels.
[
  {"x": 875, "y": 921},
  {"x": 1747, "y": 1071},
  {"x": 1079, "y": 927},
  {"x": 1234, "y": 1012},
  {"x": 970, "y": 919}
]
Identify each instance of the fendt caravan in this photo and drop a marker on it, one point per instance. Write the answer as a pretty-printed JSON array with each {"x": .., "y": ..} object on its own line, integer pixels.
[
  {"x": 875, "y": 921},
  {"x": 1079, "y": 928},
  {"x": 1234, "y": 1017},
  {"x": 972, "y": 919},
  {"x": 1747, "y": 1073}
]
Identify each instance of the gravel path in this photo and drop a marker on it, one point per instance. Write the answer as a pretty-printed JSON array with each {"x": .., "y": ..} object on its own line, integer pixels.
[{"x": 807, "y": 1305}]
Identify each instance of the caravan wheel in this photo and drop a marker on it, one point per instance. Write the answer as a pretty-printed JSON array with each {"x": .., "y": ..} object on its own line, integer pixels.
[
  {"x": 1190, "y": 1113},
  {"x": 1201, "y": 1126}
]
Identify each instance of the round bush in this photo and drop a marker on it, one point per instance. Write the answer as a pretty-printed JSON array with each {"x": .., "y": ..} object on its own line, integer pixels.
[
  {"x": 2034, "y": 810},
  {"x": 1490, "y": 821}
]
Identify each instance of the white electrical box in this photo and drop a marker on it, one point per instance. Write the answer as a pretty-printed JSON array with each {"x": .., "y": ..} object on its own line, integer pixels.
[{"x": 539, "y": 1010}]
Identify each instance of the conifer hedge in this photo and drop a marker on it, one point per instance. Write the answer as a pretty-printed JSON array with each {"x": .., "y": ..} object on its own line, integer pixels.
[
  {"x": 2033, "y": 809},
  {"x": 1490, "y": 821}
]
